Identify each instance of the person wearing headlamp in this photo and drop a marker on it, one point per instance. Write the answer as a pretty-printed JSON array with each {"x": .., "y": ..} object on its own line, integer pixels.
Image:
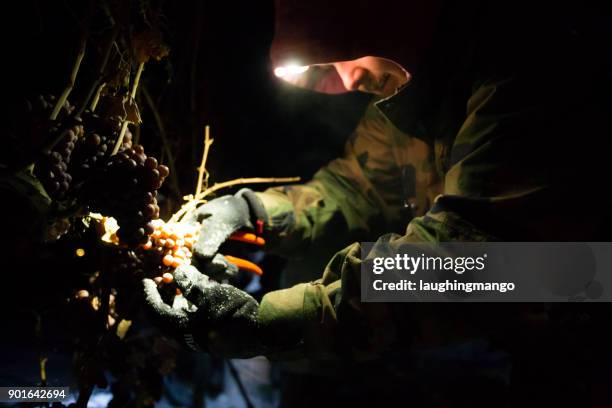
[{"x": 487, "y": 125}]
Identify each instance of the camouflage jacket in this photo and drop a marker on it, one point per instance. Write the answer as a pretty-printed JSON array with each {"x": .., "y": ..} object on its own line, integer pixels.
[{"x": 491, "y": 142}]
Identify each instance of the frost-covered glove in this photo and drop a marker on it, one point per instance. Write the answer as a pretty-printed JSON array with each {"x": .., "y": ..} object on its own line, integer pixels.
[
  {"x": 217, "y": 268},
  {"x": 221, "y": 217},
  {"x": 210, "y": 316}
]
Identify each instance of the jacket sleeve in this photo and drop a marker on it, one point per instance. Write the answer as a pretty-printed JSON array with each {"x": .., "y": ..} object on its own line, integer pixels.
[
  {"x": 355, "y": 197},
  {"x": 495, "y": 188}
]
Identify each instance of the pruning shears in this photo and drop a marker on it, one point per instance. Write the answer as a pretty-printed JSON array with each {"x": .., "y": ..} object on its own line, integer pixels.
[{"x": 249, "y": 238}]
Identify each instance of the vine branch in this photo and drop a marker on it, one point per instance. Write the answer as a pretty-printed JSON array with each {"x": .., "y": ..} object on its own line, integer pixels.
[
  {"x": 132, "y": 96},
  {"x": 98, "y": 84},
  {"x": 71, "y": 80},
  {"x": 202, "y": 169},
  {"x": 194, "y": 201}
]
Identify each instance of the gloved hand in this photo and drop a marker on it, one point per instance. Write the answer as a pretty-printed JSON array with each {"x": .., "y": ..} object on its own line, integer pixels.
[
  {"x": 217, "y": 268},
  {"x": 210, "y": 316},
  {"x": 220, "y": 218}
]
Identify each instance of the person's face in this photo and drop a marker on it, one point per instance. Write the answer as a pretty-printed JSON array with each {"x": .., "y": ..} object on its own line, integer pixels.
[{"x": 374, "y": 75}]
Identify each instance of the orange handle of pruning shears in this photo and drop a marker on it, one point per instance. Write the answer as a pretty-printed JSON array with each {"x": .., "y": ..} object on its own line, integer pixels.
[
  {"x": 244, "y": 264},
  {"x": 248, "y": 237}
]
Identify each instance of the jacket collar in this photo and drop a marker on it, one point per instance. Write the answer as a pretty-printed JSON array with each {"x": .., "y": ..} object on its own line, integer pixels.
[{"x": 408, "y": 108}]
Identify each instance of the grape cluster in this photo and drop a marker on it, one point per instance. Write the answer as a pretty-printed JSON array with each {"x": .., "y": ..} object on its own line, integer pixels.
[
  {"x": 126, "y": 189},
  {"x": 78, "y": 169},
  {"x": 169, "y": 246},
  {"x": 40, "y": 107},
  {"x": 122, "y": 263},
  {"x": 89, "y": 152},
  {"x": 52, "y": 168},
  {"x": 94, "y": 148}
]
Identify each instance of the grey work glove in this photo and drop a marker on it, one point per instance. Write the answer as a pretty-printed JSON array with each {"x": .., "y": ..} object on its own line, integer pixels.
[
  {"x": 210, "y": 316},
  {"x": 219, "y": 219},
  {"x": 218, "y": 268}
]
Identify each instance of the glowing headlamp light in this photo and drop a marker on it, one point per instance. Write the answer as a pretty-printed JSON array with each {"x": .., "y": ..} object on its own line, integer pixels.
[{"x": 290, "y": 70}]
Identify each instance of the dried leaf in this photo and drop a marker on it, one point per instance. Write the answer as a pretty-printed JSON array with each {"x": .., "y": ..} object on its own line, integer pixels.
[
  {"x": 149, "y": 44},
  {"x": 112, "y": 106}
]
